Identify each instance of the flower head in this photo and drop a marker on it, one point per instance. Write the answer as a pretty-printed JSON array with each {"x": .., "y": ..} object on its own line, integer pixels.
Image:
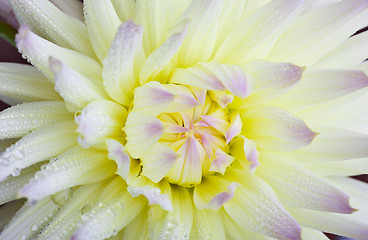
[{"x": 203, "y": 119}]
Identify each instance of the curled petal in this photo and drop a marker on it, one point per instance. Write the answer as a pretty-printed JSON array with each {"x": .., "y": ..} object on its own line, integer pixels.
[
  {"x": 156, "y": 193},
  {"x": 76, "y": 90},
  {"x": 128, "y": 168},
  {"x": 100, "y": 120},
  {"x": 245, "y": 150},
  {"x": 142, "y": 131},
  {"x": 158, "y": 161},
  {"x": 221, "y": 162},
  {"x": 213, "y": 192}
]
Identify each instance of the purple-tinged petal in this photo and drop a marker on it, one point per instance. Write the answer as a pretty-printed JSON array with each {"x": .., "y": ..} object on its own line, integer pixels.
[
  {"x": 235, "y": 127},
  {"x": 245, "y": 150},
  {"x": 213, "y": 192},
  {"x": 221, "y": 162}
]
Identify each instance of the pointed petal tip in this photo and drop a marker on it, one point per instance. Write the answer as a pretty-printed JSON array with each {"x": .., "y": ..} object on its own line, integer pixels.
[
  {"x": 22, "y": 33},
  {"x": 55, "y": 65}
]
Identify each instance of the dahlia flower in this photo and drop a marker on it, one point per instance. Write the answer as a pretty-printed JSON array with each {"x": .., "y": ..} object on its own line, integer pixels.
[{"x": 205, "y": 119}]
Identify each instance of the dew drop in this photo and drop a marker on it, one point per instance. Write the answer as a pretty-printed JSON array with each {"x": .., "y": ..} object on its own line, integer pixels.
[
  {"x": 23, "y": 237},
  {"x": 34, "y": 227}
]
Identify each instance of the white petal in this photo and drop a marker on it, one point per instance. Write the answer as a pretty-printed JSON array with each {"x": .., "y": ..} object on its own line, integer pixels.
[
  {"x": 152, "y": 191},
  {"x": 38, "y": 51},
  {"x": 128, "y": 168},
  {"x": 183, "y": 98},
  {"x": 113, "y": 211},
  {"x": 315, "y": 34},
  {"x": 202, "y": 32},
  {"x": 256, "y": 208},
  {"x": 125, "y": 9},
  {"x": 207, "y": 225},
  {"x": 39, "y": 145},
  {"x": 319, "y": 86},
  {"x": 340, "y": 224},
  {"x": 311, "y": 234},
  {"x": 256, "y": 33},
  {"x": 173, "y": 224},
  {"x": 100, "y": 120},
  {"x": 73, "y": 8},
  {"x": 102, "y": 23},
  {"x": 30, "y": 219},
  {"x": 213, "y": 192},
  {"x": 276, "y": 129},
  {"x": 25, "y": 84},
  {"x": 270, "y": 80},
  {"x": 142, "y": 131},
  {"x": 49, "y": 22},
  {"x": 10, "y": 187},
  {"x": 215, "y": 76},
  {"x": 159, "y": 58},
  {"x": 74, "y": 167},
  {"x": 19, "y": 120},
  {"x": 74, "y": 88},
  {"x": 350, "y": 167},
  {"x": 158, "y": 161},
  {"x": 64, "y": 222},
  {"x": 333, "y": 144},
  {"x": 123, "y": 57},
  {"x": 137, "y": 228},
  {"x": 298, "y": 187},
  {"x": 349, "y": 53}
]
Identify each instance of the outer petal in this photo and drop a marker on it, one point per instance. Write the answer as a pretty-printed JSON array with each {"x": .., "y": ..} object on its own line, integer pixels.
[
  {"x": 215, "y": 76},
  {"x": 19, "y": 120},
  {"x": 30, "y": 219},
  {"x": 113, "y": 211},
  {"x": 24, "y": 83},
  {"x": 8, "y": 211},
  {"x": 100, "y": 120},
  {"x": 159, "y": 58},
  {"x": 295, "y": 186},
  {"x": 333, "y": 144},
  {"x": 256, "y": 208},
  {"x": 73, "y": 8},
  {"x": 74, "y": 167},
  {"x": 64, "y": 222},
  {"x": 124, "y": 9},
  {"x": 202, "y": 32},
  {"x": 102, "y": 23},
  {"x": 142, "y": 131},
  {"x": 351, "y": 167},
  {"x": 321, "y": 86},
  {"x": 255, "y": 35},
  {"x": 137, "y": 228},
  {"x": 349, "y": 53},
  {"x": 37, "y": 146},
  {"x": 158, "y": 161},
  {"x": 74, "y": 88},
  {"x": 315, "y": 34},
  {"x": 38, "y": 51},
  {"x": 49, "y": 22},
  {"x": 207, "y": 225},
  {"x": 341, "y": 224},
  {"x": 10, "y": 187},
  {"x": 213, "y": 192},
  {"x": 270, "y": 80},
  {"x": 175, "y": 224},
  {"x": 275, "y": 129},
  {"x": 123, "y": 62}
]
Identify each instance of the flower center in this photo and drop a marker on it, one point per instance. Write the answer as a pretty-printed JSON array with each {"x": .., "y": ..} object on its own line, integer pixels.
[{"x": 187, "y": 128}]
